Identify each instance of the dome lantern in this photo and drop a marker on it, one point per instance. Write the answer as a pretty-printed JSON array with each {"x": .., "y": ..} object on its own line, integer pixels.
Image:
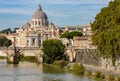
[{"x": 39, "y": 8}]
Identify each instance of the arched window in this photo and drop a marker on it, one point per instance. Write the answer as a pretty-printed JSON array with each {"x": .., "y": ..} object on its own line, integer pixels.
[
  {"x": 35, "y": 22},
  {"x": 39, "y": 22}
]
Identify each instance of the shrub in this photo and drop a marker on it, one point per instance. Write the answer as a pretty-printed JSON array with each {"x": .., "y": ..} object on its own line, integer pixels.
[
  {"x": 89, "y": 72},
  {"x": 53, "y": 50},
  {"x": 5, "y": 42},
  {"x": 111, "y": 78},
  {"x": 3, "y": 57},
  {"x": 28, "y": 58},
  {"x": 102, "y": 76},
  {"x": 97, "y": 74},
  {"x": 61, "y": 63},
  {"x": 118, "y": 78},
  {"x": 78, "y": 69},
  {"x": 21, "y": 57}
]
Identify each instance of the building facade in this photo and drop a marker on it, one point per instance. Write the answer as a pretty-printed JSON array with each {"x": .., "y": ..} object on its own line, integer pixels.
[
  {"x": 33, "y": 33},
  {"x": 84, "y": 42}
]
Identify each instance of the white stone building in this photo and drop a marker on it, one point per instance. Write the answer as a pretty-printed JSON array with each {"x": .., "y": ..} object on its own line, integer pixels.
[{"x": 33, "y": 33}]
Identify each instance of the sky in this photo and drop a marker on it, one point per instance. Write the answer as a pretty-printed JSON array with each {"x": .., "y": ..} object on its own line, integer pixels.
[{"x": 15, "y": 13}]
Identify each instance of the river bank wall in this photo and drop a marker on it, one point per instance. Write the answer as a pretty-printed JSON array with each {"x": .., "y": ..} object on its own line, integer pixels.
[{"x": 90, "y": 59}]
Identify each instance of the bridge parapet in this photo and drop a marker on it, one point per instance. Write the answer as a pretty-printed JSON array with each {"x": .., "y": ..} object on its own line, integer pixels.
[{"x": 22, "y": 48}]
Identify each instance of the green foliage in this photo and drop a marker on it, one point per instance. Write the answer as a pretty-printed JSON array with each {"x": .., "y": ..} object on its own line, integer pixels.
[
  {"x": 89, "y": 72},
  {"x": 97, "y": 74},
  {"x": 102, "y": 76},
  {"x": 61, "y": 63},
  {"x": 111, "y": 78},
  {"x": 118, "y": 78},
  {"x": 6, "y": 31},
  {"x": 3, "y": 57},
  {"x": 28, "y": 58},
  {"x": 65, "y": 35},
  {"x": 78, "y": 69},
  {"x": 106, "y": 28},
  {"x": 70, "y": 35},
  {"x": 53, "y": 50},
  {"x": 5, "y": 42},
  {"x": 51, "y": 69}
]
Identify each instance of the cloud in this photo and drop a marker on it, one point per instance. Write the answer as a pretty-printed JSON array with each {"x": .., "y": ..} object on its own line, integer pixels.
[
  {"x": 62, "y": 11},
  {"x": 23, "y": 6},
  {"x": 67, "y": 2},
  {"x": 56, "y": 14},
  {"x": 15, "y": 11},
  {"x": 73, "y": 2}
]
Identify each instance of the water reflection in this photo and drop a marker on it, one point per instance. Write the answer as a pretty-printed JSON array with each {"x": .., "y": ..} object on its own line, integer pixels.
[
  {"x": 49, "y": 69},
  {"x": 35, "y": 72}
]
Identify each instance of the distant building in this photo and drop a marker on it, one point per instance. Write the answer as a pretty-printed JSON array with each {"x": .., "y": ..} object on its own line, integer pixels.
[
  {"x": 33, "y": 33},
  {"x": 73, "y": 28},
  {"x": 84, "y": 42},
  {"x": 86, "y": 30}
]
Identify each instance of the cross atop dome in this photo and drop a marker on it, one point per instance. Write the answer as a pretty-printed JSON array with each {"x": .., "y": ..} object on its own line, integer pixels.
[{"x": 39, "y": 7}]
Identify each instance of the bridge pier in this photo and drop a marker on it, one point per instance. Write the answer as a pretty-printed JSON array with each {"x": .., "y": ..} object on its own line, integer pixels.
[
  {"x": 12, "y": 59},
  {"x": 12, "y": 53}
]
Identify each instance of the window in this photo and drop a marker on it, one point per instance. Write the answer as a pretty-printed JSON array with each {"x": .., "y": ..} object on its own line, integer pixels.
[
  {"x": 33, "y": 41},
  {"x": 39, "y": 22}
]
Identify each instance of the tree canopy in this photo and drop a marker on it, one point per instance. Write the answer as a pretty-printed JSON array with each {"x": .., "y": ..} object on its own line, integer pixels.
[
  {"x": 6, "y": 31},
  {"x": 53, "y": 50},
  {"x": 5, "y": 42},
  {"x": 106, "y": 28},
  {"x": 70, "y": 35}
]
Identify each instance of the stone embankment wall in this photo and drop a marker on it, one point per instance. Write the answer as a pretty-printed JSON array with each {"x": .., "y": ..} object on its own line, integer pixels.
[
  {"x": 90, "y": 57},
  {"x": 70, "y": 54}
]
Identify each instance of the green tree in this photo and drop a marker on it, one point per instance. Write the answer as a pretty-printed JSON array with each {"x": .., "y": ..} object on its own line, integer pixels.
[
  {"x": 53, "y": 50},
  {"x": 65, "y": 35},
  {"x": 6, "y": 31},
  {"x": 70, "y": 35},
  {"x": 106, "y": 28},
  {"x": 5, "y": 42}
]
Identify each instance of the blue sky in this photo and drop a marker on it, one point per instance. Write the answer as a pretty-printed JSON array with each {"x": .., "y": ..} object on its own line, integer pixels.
[{"x": 15, "y": 13}]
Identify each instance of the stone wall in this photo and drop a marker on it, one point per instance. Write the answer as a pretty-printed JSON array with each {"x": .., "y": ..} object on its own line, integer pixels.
[
  {"x": 33, "y": 52},
  {"x": 70, "y": 54},
  {"x": 37, "y": 53},
  {"x": 90, "y": 57}
]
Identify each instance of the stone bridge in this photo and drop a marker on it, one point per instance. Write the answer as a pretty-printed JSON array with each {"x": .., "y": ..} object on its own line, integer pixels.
[{"x": 13, "y": 52}]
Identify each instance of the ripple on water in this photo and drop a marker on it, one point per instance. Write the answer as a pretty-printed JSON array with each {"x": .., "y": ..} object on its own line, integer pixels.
[{"x": 35, "y": 72}]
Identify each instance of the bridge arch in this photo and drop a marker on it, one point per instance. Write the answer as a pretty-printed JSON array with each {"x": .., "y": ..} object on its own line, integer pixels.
[
  {"x": 3, "y": 53},
  {"x": 13, "y": 52}
]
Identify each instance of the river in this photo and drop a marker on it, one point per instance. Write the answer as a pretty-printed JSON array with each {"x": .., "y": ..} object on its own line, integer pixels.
[{"x": 26, "y": 71}]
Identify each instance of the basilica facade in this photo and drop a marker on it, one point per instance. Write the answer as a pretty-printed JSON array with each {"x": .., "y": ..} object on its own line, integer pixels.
[{"x": 33, "y": 33}]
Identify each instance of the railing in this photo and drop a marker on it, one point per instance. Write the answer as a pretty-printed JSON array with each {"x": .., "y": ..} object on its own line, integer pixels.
[{"x": 23, "y": 48}]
